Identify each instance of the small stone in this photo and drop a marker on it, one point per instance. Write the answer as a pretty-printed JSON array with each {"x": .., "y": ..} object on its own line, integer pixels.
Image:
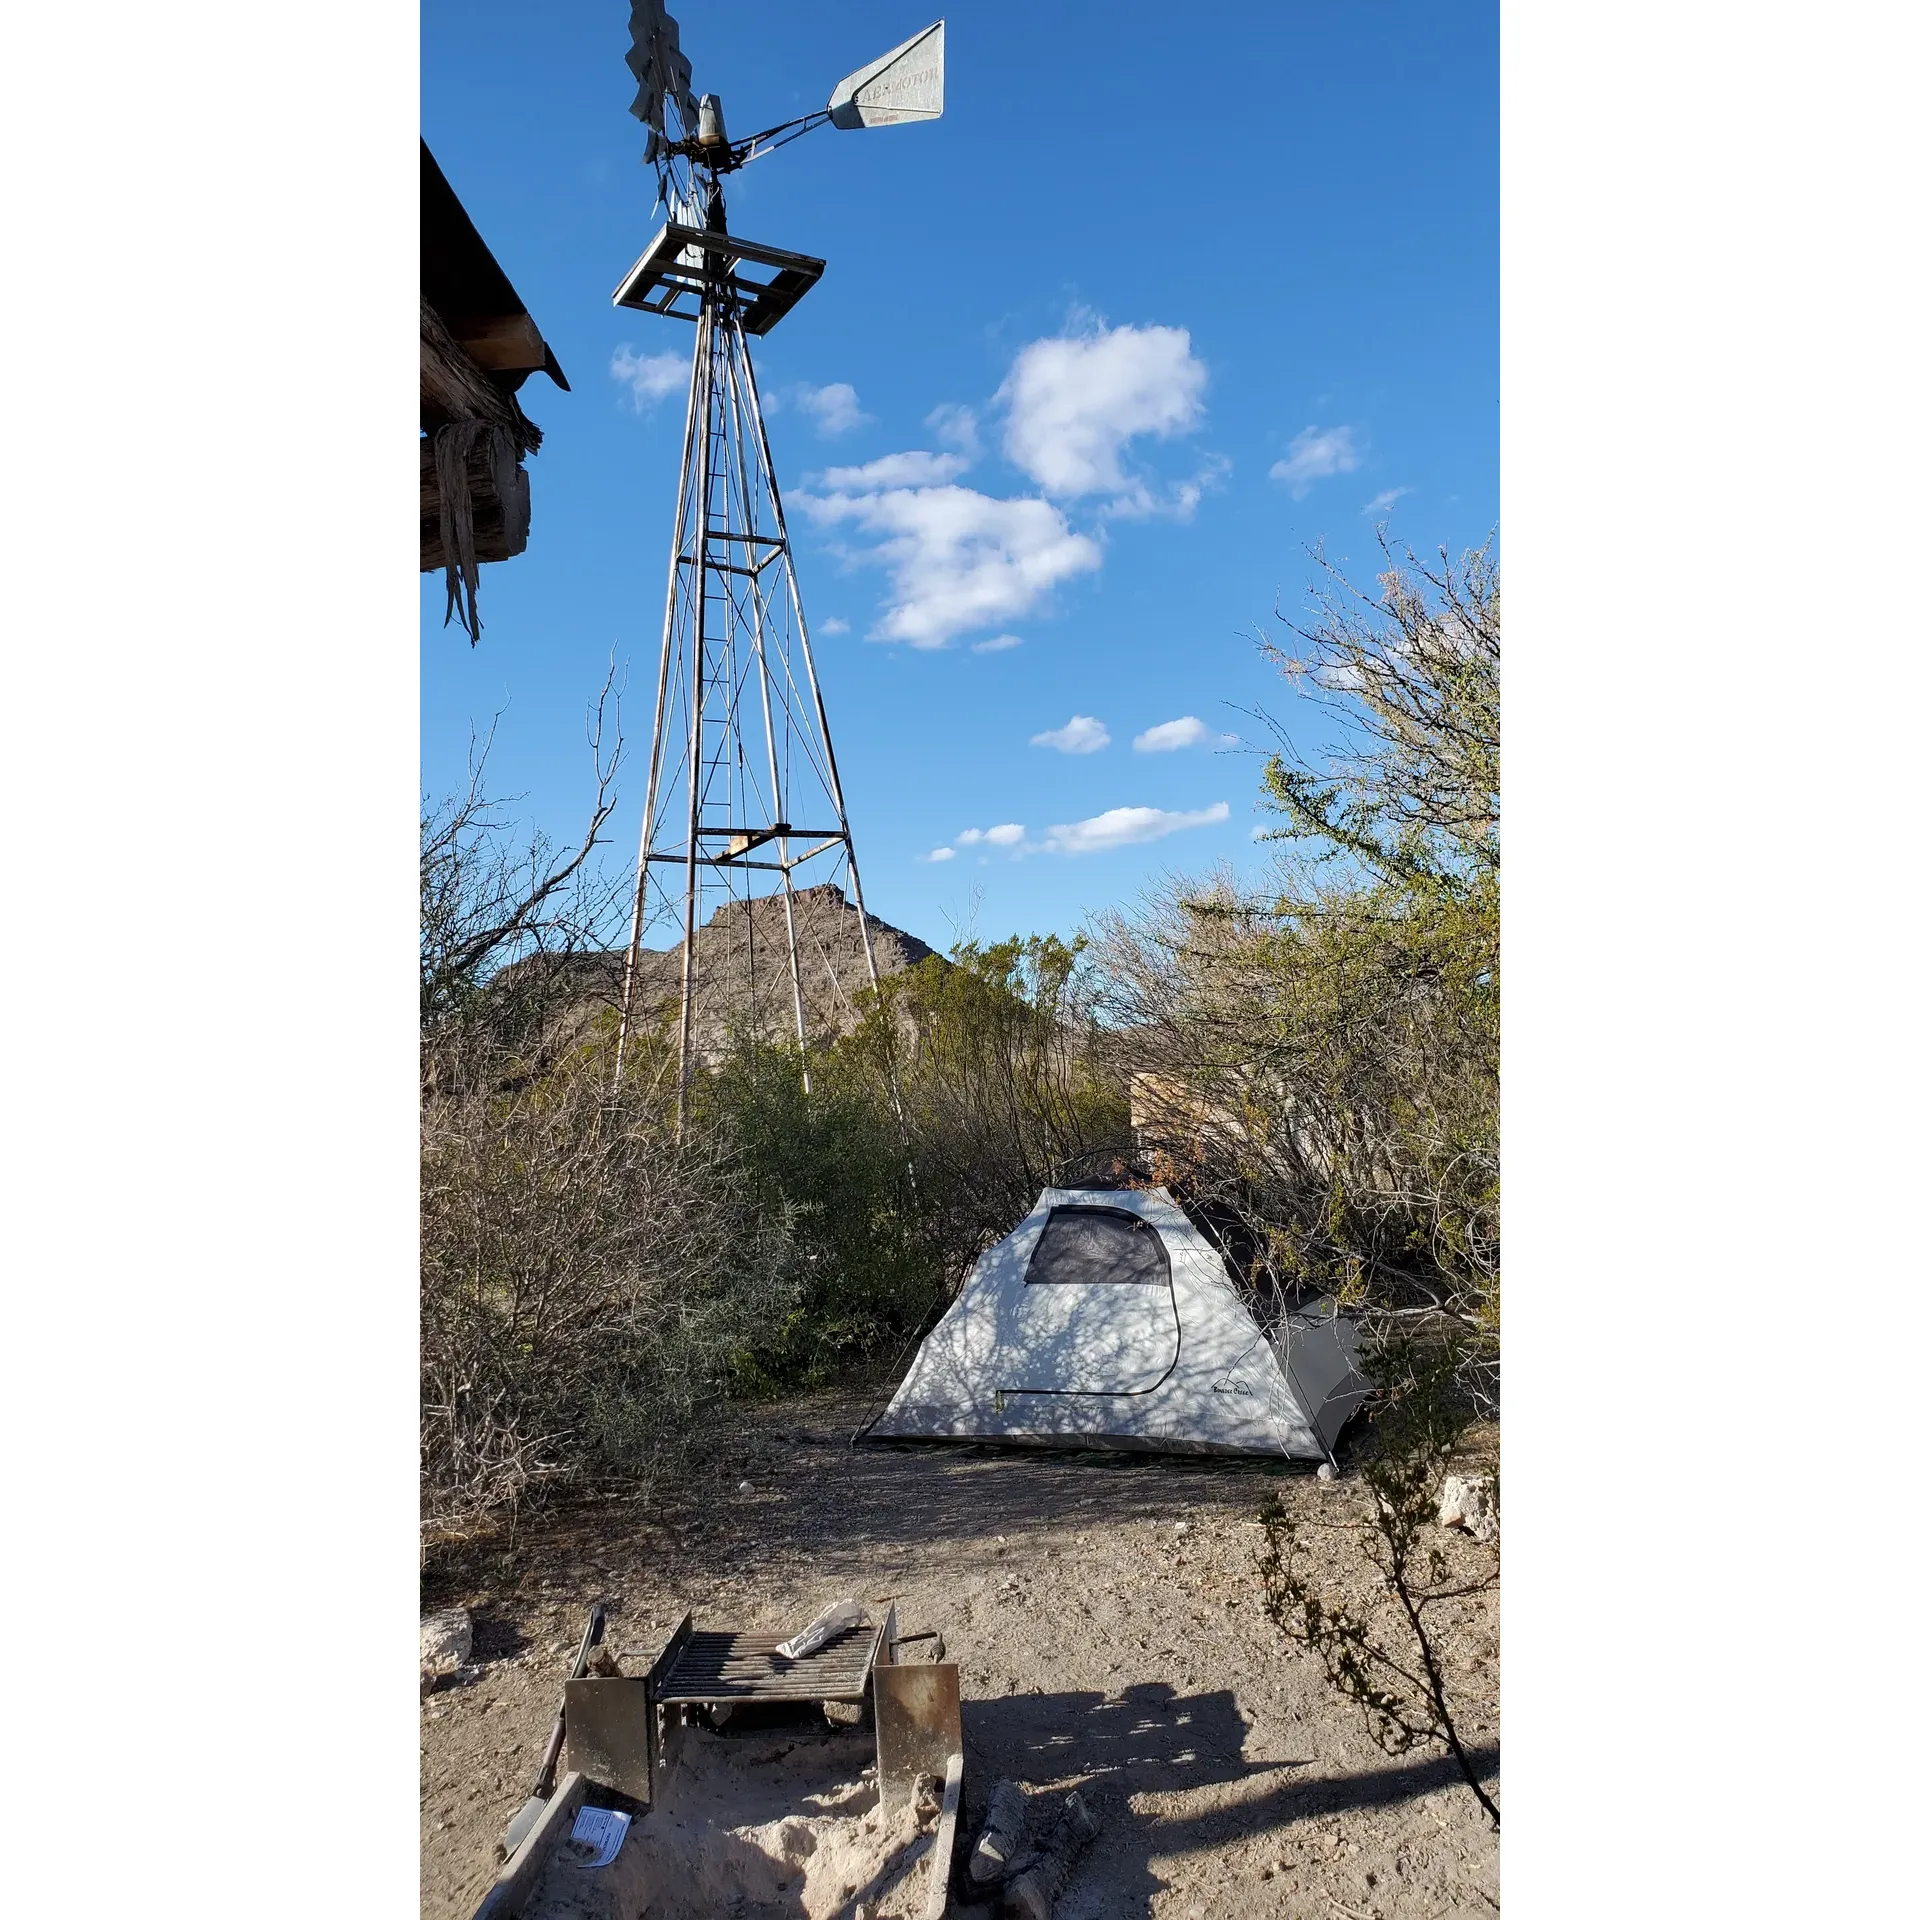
[
  {"x": 1327, "y": 1470},
  {"x": 1467, "y": 1500},
  {"x": 446, "y": 1643},
  {"x": 746, "y": 1486}
]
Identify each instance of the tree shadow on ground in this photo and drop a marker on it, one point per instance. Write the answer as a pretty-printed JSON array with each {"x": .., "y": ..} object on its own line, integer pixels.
[
  {"x": 839, "y": 1504},
  {"x": 1151, "y": 1739},
  {"x": 1289, "y": 1801},
  {"x": 923, "y": 1496},
  {"x": 496, "y": 1635}
]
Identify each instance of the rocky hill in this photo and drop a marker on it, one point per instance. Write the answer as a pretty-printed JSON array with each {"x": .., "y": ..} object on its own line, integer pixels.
[{"x": 741, "y": 974}]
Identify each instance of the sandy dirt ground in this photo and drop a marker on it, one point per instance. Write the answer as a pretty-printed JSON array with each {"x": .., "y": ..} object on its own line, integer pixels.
[
  {"x": 769, "y": 1823},
  {"x": 1105, "y": 1612}
]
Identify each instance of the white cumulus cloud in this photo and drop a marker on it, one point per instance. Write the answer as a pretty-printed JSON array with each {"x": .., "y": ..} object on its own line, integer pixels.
[
  {"x": 912, "y": 469},
  {"x": 1313, "y": 454},
  {"x": 1074, "y": 401},
  {"x": 941, "y": 853},
  {"x": 1382, "y": 502},
  {"x": 1000, "y": 643},
  {"x": 1128, "y": 827},
  {"x": 835, "y": 409},
  {"x": 956, "y": 427},
  {"x": 957, "y": 560},
  {"x": 1178, "y": 504},
  {"x": 833, "y": 625},
  {"x": 1082, "y": 734},
  {"x": 1171, "y": 735},
  {"x": 1009, "y": 835},
  {"x": 651, "y": 377}
]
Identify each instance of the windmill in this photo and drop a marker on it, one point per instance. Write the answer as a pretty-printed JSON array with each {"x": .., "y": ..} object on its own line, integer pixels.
[{"x": 743, "y": 792}]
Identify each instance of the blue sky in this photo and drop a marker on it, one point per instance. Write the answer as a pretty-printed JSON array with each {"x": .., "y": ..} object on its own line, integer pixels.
[{"x": 1199, "y": 286}]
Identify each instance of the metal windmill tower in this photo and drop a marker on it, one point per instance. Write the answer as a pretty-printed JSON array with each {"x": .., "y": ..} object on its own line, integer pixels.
[{"x": 743, "y": 793}]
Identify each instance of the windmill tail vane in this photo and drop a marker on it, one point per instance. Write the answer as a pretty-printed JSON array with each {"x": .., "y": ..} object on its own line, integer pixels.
[{"x": 746, "y": 855}]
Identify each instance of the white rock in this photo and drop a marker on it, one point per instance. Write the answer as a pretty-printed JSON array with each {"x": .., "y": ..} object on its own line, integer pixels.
[
  {"x": 1466, "y": 1500},
  {"x": 446, "y": 1643},
  {"x": 1327, "y": 1470},
  {"x": 793, "y": 1841}
]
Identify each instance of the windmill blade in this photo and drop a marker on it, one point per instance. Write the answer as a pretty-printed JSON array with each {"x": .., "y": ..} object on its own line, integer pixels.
[
  {"x": 663, "y": 71},
  {"x": 910, "y": 83}
]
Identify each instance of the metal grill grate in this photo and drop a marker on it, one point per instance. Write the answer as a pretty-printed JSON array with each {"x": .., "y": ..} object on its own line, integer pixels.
[{"x": 714, "y": 1667}]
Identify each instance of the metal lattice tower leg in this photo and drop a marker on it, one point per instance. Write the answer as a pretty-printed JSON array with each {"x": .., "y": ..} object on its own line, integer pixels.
[{"x": 743, "y": 793}]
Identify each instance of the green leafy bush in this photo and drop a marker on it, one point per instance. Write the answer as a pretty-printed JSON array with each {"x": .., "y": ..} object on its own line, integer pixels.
[{"x": 1319, "y": 1055}]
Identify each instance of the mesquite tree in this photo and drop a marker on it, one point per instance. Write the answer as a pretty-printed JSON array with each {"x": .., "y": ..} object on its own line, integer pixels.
[{"x": 1319, "y": 1053}]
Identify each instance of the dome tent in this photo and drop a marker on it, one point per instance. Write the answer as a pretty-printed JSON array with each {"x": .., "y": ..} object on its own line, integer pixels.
[{"x": 1107, "y": 1319}]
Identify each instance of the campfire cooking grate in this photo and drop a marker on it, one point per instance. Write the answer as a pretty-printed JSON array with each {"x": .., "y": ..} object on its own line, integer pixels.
[{"x": 719, "y": 1668}]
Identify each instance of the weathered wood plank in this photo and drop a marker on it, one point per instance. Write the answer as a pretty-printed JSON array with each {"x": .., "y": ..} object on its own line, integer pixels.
[
  {"x": 502, "y": 343},
  {"x": 452, "y": 383},
  {"x": 946, "y": 1837},
  {"x": 518, "y": 1877},
  {"x": 500, "y": 527}
]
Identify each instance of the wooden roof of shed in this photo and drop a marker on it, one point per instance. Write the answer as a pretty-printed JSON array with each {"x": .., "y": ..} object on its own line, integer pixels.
[{"x": 465, "y": 285}]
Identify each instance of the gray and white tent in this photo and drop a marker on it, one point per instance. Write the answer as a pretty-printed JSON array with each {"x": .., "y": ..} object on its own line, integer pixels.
[{"x": 1107, "y": 1319}]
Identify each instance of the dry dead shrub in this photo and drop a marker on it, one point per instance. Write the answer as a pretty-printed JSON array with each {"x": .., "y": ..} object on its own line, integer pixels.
[{"x": 589, "y": 1285}]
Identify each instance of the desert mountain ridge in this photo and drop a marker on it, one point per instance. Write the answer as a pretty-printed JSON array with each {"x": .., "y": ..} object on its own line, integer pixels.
[{"x": 741, "y": 972}]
